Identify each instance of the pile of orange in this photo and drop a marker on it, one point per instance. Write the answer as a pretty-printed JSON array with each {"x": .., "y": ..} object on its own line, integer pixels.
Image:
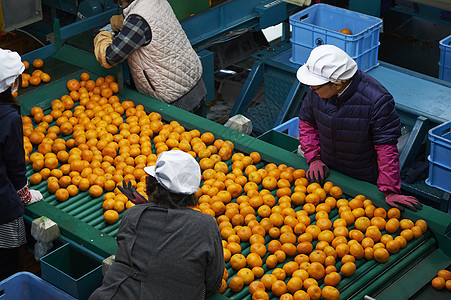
[
  {"x": 82, "y": 143},
  {"x": 280, "y": 232},
  {"x": 37, "y": 76},
  {"x": 443, "y": 280}
]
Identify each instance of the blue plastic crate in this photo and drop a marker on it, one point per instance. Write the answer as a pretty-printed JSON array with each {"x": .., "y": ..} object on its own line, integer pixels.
[
  {"x": 320, "y": 24},
  {"x": 440, "y": 157},
  {"x": 25, "y": 285},
  {"x": 74, "y": 271},
  {"x": 445, "y": 59},
  {"x": 440, "y": 138},
  {"x": 290, "y": 127}
]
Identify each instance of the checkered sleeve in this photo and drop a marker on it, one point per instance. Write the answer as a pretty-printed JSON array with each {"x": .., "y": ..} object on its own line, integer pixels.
[{"x": 135, "y": 33}]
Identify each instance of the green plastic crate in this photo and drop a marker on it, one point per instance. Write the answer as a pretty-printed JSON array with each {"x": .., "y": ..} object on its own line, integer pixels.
[{"x": 74, "y": 271}]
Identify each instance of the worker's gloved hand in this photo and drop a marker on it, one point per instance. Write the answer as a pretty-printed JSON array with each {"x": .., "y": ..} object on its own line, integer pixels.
[
  {"x": 36, "y": 196},
  {"x": 132, "y": 194},
  {"x": 107, "y": 28},
  {"x": 401, "y": 201},
  {"x": 101, "y": 43},
  {"x": 116, "y": 22},
  {"x": 317, "y": 172}
]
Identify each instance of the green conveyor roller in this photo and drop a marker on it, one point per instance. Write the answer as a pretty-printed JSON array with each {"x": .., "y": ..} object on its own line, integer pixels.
[{"x": 81, "y": 218}]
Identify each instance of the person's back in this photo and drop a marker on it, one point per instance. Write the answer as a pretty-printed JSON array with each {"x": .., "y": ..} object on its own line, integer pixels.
[{"x": 166, "y": 250}]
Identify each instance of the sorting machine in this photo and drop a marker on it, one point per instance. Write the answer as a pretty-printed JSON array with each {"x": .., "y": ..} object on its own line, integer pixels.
[{"x": 80, "y": 218}]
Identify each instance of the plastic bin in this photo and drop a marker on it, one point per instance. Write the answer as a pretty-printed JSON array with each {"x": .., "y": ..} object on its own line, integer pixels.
[
  {"x": 25, "y": 285},
  {"x": 290, "y": 127},
  {"x": 320, "y": 24},
  {"x": 284, "y": 136},
  {"x": 440, "y": 157},
  {"x": 74, "y": 271},
  {"x": 445, "y": 59}
]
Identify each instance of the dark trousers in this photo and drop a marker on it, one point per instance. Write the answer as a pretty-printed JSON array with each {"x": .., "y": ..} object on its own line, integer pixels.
[{"x": 9, "y": 262}]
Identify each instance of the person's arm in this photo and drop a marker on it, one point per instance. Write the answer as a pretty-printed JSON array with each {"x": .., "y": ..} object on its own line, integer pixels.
[
  {"x": 215, "y": 262},
  {"x": 110, "y": 50},
  {"x": 14, "y": 153},
  {"x": 389, "y": 180},
  {"x": 134, "y": 34},
  {"x": 14, "y": 156},
  {"x": 386, "y": 130},
  {"x": 309, "y": 140}
]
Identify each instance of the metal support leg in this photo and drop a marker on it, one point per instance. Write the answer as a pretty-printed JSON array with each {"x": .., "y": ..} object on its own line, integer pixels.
[
  {"x": 444, "y": 202},
  {"x": 249, "y": 88},
  {"x": 414, "y": 142}
]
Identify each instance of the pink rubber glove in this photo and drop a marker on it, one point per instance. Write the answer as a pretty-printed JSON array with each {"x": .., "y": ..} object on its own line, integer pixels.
[
  {"x": 401, "y": 201},
  {"x": 317, "y": 172}
]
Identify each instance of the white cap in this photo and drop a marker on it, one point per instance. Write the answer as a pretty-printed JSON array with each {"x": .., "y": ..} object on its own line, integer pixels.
[
  {"x": 326, "y": 63},
  {"x": 11, "y": 67},
  {"x": 177, "y": 171}
]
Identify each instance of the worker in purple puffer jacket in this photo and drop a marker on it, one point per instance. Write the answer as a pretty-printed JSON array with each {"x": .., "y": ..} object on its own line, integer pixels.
[{"x": 348, "y": 122}]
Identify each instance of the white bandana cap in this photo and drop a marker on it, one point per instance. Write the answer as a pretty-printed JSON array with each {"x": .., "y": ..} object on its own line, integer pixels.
[
  {"x": 11, "y": 67},
  {"x": 177, "y": 171},
  {"x": 326, "y": 63}
]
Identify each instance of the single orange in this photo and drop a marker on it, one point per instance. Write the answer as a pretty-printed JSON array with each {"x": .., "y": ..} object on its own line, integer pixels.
[{"x": 38, "y": 63}]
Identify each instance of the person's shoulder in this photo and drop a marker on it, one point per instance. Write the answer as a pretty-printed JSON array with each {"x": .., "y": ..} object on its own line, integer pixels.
[
  {"x": 9, "y": 113},
  {"x": 198, "y": 216},
  {"x": 370, "y": 85}
]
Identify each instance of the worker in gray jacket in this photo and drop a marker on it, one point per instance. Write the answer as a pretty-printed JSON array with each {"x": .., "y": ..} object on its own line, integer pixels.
[{"x": 166, "y": 250}]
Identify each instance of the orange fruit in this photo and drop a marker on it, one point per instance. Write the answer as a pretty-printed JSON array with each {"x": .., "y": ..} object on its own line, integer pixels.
[
  {"x": 45, "y": 77},
  {"x": 246, "y": 274},
  {"x": 392, "y": 225},
  {"x": 422, "y": 224},
  {"x": 392, "y": 246},
  {"x": 278, "y": 288},
  {"x": 438, "y": 283},
  {"x": 336, "y": 192},
  {"x": 330, "y": 293},
  {"x": 381, "y": 255},
  {"x": 394, "y": 213},
  {"x": 62, "y": 195},
  {"x": 374, "y": 233},
  {"x": 256, "y": 285},
  {"x": 111, "y": 216},
  {"x": 38, "y": 63},
  {"x": 35, "y": 178},
  {"x": 347, "y": 269},
  {"x": 73, "y": 85},
  {"x": 316, "y": 270},
  {"x": 407, "y": 234},
  {"x": 236, "y": 284},
  {"x": 72, "y": 189},
  {"x": 294, "y": 285},
  {"x": 314, "y": 291},
  {"x": 95, "y": 191},
  {"x": 356, "y": 250},
  {"x": 346, "y": 31},
  {"x": 301, "y": 295},
  {"x": 271, "y": 261},
  {"x": 35, "y": 80},
  {"x": 332, "y": 279},
  {"x": 260, "y": 294},
  {"x": 238, "y": 261},
  {"x": 401, "y": 241},
  {"x": 417, "y": 231},
  {"x": 445, "y": 274}
]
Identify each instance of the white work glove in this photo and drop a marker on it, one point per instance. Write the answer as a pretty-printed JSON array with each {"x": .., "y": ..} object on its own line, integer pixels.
[
  {"x": 36, "y": 196},
  {"x": 107, "y": 28}
]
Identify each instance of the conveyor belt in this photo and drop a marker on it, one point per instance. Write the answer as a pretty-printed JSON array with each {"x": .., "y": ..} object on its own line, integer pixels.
[{"x": 81, "y": 220}]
